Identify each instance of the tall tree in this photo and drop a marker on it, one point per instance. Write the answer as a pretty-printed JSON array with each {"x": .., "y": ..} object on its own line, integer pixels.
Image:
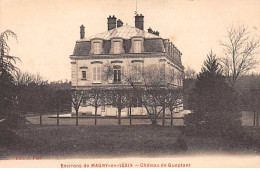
[
  {"x": 7, "y": 68},
  {"x": 215, "y": 102},
  {"x": 240, "y": 53}
]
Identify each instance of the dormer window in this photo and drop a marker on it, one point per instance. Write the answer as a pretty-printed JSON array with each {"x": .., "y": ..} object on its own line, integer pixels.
[
  {"x": 117, "y": 45},
  {"x": 137, "y": 46},
  {"x": 97, "y": 47}
]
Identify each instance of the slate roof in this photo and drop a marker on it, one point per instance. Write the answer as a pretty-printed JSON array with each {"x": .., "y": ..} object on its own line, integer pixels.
[
  {"x": 125, "y": 32},
  {"x": 152, "y": 42}
]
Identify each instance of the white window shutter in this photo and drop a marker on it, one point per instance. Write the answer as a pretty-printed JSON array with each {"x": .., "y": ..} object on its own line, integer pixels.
[
  {"x": 94, "y": 74},
  {"x": 98, "y": 73}
]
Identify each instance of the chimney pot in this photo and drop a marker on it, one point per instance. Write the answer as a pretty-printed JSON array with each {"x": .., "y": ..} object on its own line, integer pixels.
[
  {"x": 119, "y": 23},
  {"x": 150, "y": 30},
  {"x": 82, "y": 32}
]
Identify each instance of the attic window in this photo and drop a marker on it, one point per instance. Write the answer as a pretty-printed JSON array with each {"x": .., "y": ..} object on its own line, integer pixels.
[
  {"x": 117, "y": 49},
  {"x": 137, "y": 46},
  {"x": 97, "y": 47}
]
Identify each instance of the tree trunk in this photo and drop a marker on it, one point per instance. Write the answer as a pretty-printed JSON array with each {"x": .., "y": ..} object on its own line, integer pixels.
[
  {"x": 40, "y": 119},
  {"x": 257, "y": 124},
  {"x": 153, "y": 119},
  {"x": 163, "y": 121},
  {"x": 119, "y": 116},
  {"x": 77, "y": 117},
  {"x": 254, "y": 119},
  {"x": 58, "y": 117},
  {"x": 171, "y": 117},
  {"x": 154, "y": 122},
  {"x": 95, "y": 115},
  {"x": 130, "y": 115}
]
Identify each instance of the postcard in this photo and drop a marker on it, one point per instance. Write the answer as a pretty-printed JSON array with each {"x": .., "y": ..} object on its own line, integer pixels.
[{"x": 129, "y": 84}]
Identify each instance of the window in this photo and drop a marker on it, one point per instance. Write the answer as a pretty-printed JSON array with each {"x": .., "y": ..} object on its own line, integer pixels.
[
  {"x": 97, "y": 47},
  {"x": 162, "y": 69},
  {"x": 137, "y": 46},
  {"x": 137, "y": 102},
  {"x": 84, "y": 103},
  {"x": 97, "y": 74},
  {"x": 117, "y": 73},
  {"x": 84, "y": 75},
  {"x": 116, "y": 47},
  {"x": 137, "y": 69}
]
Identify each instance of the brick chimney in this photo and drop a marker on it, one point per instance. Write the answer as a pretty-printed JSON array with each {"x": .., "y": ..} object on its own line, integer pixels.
[
  {"x": 82, "y": 32},
  {"x": 139, "y": 21},
  {"x": 119, "y": 23},
  {"x": 111, "y": 22}
]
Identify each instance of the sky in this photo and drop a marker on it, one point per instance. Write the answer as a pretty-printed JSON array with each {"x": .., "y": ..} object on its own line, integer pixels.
[{"x": 48, "y": 29}]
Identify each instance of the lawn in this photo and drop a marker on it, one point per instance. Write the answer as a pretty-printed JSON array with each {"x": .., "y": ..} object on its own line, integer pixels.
[{"x": 68, "y": 141}]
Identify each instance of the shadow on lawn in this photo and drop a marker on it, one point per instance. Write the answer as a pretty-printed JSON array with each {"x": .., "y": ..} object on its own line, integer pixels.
[
  {"x": 108, "y": 141},
  {"x": 64, "y": 141}
]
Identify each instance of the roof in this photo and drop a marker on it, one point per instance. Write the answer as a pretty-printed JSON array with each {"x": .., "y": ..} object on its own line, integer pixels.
[{"x": 125, "y": 32}]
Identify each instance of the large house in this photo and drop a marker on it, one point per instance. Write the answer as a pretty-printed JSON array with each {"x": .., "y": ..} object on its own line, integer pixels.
[{"x": 124, "y": 47}]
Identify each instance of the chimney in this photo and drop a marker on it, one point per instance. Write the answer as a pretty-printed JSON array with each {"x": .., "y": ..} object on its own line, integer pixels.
[
  {"x": 150, "y": 30},
  {"x": 139, "y": 21},
  {"x": 156, "y": 33},
  {"x": 82, "y": 32},
  {"x": 119, "y": 23},
  {"x": 111, "y": 22}
]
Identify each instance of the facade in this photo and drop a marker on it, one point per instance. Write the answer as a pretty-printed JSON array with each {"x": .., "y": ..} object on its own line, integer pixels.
[{"x": 125, "y": 48}]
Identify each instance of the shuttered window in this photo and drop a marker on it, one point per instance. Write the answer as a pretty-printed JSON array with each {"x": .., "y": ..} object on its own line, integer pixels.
[
  {"x": 97, "y": 74},
  {"x": 117, "y": 47},
  {"x": 137, "y": 46}
]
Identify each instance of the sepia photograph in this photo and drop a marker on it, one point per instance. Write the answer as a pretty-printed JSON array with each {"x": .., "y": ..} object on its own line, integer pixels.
[{"x": 129, "y": 84}]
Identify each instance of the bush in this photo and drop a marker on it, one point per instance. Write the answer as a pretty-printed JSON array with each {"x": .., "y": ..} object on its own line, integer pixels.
[{"x": 221, "y": 123}]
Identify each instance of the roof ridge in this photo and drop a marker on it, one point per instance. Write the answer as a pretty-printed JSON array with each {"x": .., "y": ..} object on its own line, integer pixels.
[{"x": 125, "y": 31}]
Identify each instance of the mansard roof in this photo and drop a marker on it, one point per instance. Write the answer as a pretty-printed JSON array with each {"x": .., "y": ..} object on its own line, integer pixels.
[{"x": 125, "y": 32}]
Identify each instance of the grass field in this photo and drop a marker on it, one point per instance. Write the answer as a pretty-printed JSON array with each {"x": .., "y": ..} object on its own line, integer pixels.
[{"x": 109, "y": 141}]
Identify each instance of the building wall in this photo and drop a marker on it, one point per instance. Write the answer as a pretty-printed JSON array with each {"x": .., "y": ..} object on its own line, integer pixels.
[{"x": 79, "y": 65}]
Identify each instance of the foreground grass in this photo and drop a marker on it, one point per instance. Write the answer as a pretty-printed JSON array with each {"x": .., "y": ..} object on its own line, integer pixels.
[{"x": 90, "y": 141}]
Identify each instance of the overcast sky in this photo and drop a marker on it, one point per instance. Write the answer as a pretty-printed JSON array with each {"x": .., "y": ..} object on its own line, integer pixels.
[{"x": 47, "y": 29}]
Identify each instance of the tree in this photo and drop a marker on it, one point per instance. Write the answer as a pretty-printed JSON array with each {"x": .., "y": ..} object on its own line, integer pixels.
[
  {"x": 240, "y": 52},
  {"x": 7, "y": 67},
  {"x": 190, "y": 73},
  {"x": 150, "y": 84},
  {"x": 158, "y": 91},
  {"x": 76, "y": 99},
  {"x": 118, "y": 98},
  {"x": 173, "y": 99},
  {"x": 7, "y": 62},
  {"x": 215, "y": 102},
  {"x": 96, "y": 99}
]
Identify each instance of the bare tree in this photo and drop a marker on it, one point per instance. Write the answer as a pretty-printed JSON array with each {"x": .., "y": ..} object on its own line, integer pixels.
[
  {"x": 190, "y": 73},
  {"x": 118, "y": 98},
  {"x": 26, "y": 79},
  {"x": 96, "y": 99},
  {"x": 76, "y": 99},
  {"x": 240, "y": 52},
  {"x": 150, "y": 85}
]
